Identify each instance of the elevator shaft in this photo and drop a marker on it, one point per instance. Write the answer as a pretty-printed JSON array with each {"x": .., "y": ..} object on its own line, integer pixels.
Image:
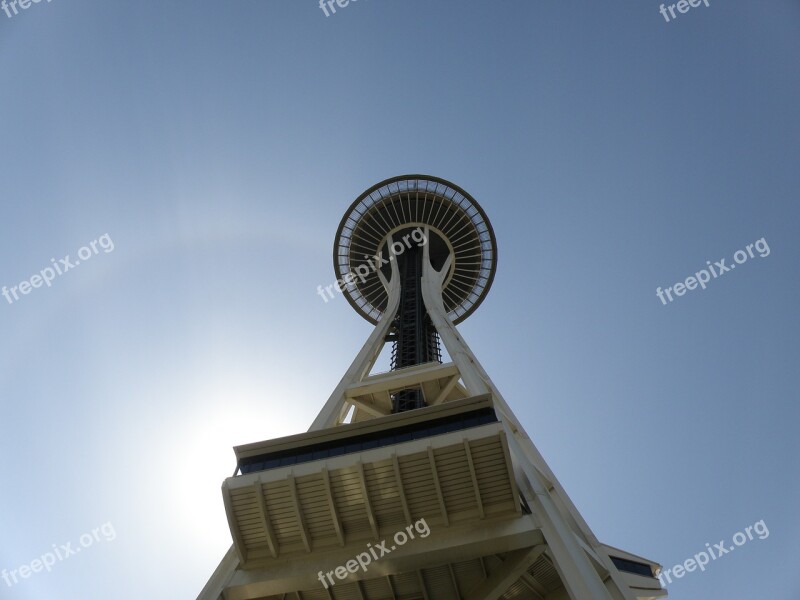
[{"x": 415, "y": 338}]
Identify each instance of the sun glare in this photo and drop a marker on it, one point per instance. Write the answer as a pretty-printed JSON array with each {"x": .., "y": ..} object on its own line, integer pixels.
[{"x": 226, "y": 416}]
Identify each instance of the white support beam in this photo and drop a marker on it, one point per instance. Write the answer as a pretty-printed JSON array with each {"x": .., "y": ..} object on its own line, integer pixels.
[
  {"x": 265, "y": 521},
  {"x": 438, "y": 486},
  {"x": 337, "y": 524},
  {"x": 373, "y": 523},
  {"x": 298, "y": 510},
  {"x": 534, "y": 586},
  {"x": 373, "y": 409},
  {"x": 432, "y": 282},
  {"x": 401, "y": 490},
  {"x": 401, "y": 378},
  {"x": 571, "y": 561},
  {"x": 343, "y": 413},
  {"x": 511, "y": 476},
  {"x": 474, "y": 477},
  {"x": 366, "y": 357},
  {"x": 445, "y": 391},
  {"x": 596, "y": 560},
  {"x": 512, "y": 568}
]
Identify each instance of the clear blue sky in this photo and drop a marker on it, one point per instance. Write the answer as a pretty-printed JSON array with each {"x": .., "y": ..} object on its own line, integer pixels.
[{"x": 218, "y": 145}]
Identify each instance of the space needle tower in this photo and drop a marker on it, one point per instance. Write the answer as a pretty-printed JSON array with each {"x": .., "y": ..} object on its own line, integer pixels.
[{"x": 319, "y": 515}]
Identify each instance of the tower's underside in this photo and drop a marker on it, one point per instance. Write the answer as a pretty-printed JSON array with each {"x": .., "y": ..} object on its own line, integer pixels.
[
  {"x": 311, "y": 502},
  {"x": 425, "y": 443}
]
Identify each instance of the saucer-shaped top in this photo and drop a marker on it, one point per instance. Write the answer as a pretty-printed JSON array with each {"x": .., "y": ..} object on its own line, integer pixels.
[{"x": 398, "y": 206}]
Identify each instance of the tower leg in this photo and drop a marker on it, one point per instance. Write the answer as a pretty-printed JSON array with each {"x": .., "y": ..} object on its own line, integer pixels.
[
  {"x": 574, "y": 565},
  {"x": 360, "y": 367}
]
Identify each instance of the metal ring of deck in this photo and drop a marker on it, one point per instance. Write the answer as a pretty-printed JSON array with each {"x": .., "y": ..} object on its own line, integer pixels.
[{"x": 405, "y": 202}]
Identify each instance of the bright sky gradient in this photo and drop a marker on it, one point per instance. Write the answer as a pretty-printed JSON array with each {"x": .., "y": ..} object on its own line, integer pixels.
[{"x": 218, "y": 145}]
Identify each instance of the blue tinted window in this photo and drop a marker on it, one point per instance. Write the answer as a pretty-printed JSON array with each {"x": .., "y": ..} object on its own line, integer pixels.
[{"x": 347, "y": 446}]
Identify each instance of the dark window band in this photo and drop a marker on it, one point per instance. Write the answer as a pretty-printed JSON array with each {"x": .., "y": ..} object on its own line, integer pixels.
[{"x": 368, "y": 441}]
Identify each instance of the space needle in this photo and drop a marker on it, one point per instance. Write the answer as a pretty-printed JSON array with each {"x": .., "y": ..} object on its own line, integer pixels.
[{"x": 430, "y": 441}]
